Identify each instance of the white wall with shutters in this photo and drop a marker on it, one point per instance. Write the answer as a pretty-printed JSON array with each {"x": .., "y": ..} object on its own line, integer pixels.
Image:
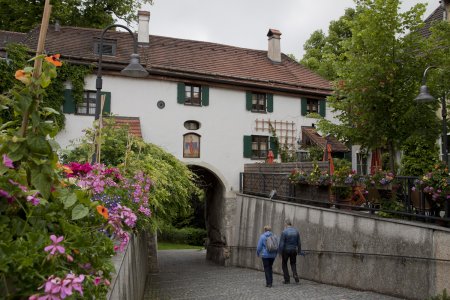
[{"x": 223, "y": 122}]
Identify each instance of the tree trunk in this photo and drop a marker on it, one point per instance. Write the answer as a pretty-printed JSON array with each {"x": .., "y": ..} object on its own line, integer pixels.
[{"x": 391, "y": 156}]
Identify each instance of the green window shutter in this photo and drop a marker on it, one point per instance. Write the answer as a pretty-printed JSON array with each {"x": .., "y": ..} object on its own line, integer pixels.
[
  {"x": 304, "y": 107},
  {"x": 107, "y": 105},
  {"x": 249, "y": 98},
  {"x": 322, "y": 107},
  {"x": 69, "y": 106},
  {"x": 181, "y": 97},
  {"x": 248, "y": 146},
  {"x": 273, "y": 146},
  {"x": 205, "y": 95},
  {"x": 269, "y": 102}
]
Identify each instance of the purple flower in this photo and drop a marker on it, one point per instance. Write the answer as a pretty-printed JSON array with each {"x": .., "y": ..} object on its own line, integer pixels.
[
  {"x": 33, "y": 199},
  {"x": 55, "y": 247},
  {"x": 145, "y": 210},
  {"x": 7, "y": 162}
]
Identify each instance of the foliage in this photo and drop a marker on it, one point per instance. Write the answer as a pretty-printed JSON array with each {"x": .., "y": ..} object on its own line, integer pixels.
[
  {"x": 186, "y": 235},
  {"x": 379, "y": 78},
  {"x": 53, "y": 95},
  {"x": 443, "y": 296},
  {"x": 381, "y": 178},
  {"x": 298, "y": 176},
  {"x": 315, "y": 153},
  {"x": 317, "y": 176},
  {"x": 58, "y": 223},
  {"x": 322, "y": 52},
  {"x": 174, "y": 182},
  {"x": 436, "y": 182},
  {"x": 174, "y": 246},
  {"x": 418, "y": 155},
  {"x": 24, "y": 15}
]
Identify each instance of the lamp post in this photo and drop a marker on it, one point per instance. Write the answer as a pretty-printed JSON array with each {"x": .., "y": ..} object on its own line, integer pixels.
[
  {"x": 134, "y": 69},
  {"x": 425, "y": 97}
]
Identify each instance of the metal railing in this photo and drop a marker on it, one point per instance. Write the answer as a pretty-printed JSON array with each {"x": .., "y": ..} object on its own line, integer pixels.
[{"x": 399, "y": 200}]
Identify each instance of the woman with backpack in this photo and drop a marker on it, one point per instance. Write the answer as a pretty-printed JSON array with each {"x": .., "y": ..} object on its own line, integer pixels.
[{"x": 267, "y": 249}]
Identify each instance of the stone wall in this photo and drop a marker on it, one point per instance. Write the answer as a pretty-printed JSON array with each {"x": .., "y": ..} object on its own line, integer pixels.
[
  {"x": 349, "y": 249},
  {"x": 132, "y": 267}
]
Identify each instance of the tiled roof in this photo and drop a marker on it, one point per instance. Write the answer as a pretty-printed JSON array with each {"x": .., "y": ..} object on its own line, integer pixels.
[
  {"x": 317, "y": 139},
  {"x": 133, "y": 124},
  {"x": 179, "y": 57},
  {"x": 436, "y": 15},
  {"x": 10, "y": 37}
]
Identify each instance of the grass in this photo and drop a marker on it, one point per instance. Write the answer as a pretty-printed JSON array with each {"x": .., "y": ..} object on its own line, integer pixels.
[{"x": 172, "y": 246}]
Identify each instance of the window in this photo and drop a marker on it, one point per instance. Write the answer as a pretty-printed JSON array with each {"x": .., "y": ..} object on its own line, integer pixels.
[
  {"x": 191, "y": 125},
  {"x": 309, "y": 106},
  {"x": 191, "y": 145},
  {"x": 109, "y": 47},
  {"x": 193, "y": 94},
  {"x": 312, "y": 106},
  {"x": 257, "y": 146},
  {"x": 87, "y": 107},
  {"x": 361, "y": 163},
  {"x": 259, "y": 102}
]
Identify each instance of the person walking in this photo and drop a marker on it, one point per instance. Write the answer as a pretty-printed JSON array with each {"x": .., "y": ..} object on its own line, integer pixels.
[
  {"x": 290, "y": 247},
  {"x": 268, "y": 257}
]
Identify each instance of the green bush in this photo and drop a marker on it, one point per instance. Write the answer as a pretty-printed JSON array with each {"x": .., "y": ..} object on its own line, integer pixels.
[
  {"x": 443, "y": 296},
  {"x": 186, "y": 235},
  {"x": 418, "y": 155}
]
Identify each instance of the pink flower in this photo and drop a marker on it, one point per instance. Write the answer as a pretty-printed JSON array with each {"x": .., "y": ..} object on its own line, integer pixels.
[
  {"x": 55, "y": 247},
  {"x": 69, "y": 258},
  {"x": 7, "y": 162},
  {"x": 97, "y": 280},
  {"x": 32, "y": 198},
  {"x": 145, "y": 210}
]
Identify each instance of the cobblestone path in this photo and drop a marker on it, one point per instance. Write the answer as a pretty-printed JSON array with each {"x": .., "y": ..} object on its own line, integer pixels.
[{"x": 185, "y": 274}]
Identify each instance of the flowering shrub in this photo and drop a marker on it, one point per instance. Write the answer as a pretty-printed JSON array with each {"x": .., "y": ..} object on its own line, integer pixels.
[
  {"x": 318, "y": 177},
  {"x": 435, "y": 183},
  {"x": 298, "y": 176},
  {"x": 381, "y": 178},
  {"x": 59, "y": 225}
]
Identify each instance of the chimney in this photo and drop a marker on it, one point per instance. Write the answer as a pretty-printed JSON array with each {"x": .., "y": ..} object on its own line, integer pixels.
[
  {"x": 144, "y": 19},
  {"x": 274, "y": 51}
]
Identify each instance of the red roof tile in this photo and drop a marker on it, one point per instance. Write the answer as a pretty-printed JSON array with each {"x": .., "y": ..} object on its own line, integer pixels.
[
  {"x": 317, "y": 139},
  {"x": 180, "y": 57},
  {"x": 132, "y": 123}
]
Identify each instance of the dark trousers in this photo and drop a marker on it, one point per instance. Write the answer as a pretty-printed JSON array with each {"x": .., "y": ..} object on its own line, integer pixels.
[
  {"x": 267, "y": 263},
  {"x": 290, "y": 255}
]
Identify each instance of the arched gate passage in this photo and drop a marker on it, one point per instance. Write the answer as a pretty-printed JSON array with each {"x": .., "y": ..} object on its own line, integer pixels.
[{"x": 214, "y": 213}]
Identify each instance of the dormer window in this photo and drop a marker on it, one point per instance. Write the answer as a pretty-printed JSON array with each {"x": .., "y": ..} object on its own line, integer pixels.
[{"x": 109, "y": 47}]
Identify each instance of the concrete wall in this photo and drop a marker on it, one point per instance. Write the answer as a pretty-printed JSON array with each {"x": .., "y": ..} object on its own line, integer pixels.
[
  {"x": 132, "y": 267},
  {"x": 395, "y": 270}
]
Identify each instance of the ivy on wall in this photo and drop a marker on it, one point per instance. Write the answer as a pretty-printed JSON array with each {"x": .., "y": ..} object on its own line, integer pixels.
[{"x": 18, "y": 55}]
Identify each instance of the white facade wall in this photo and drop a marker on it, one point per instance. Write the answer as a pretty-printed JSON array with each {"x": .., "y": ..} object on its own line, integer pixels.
[{"x": 223, "y": 123}]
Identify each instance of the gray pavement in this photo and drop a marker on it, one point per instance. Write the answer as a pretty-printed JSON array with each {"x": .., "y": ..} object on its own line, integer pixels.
[{"x": 185, "y": 274}]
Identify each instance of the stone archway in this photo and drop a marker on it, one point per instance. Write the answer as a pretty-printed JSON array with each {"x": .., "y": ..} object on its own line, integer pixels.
[{"x": 214, "y": 213}]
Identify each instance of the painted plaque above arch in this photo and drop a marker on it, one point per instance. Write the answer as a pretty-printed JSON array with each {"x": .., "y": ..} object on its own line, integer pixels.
[{"x": 191, "y": 145}]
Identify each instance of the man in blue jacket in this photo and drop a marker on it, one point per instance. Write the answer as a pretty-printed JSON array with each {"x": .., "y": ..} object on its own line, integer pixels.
[
  {"x": 267, "y": 256},
  {"x": 290, "y": 247}
]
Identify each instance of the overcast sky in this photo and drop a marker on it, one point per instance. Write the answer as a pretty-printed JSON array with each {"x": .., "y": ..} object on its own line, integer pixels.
[{"x": 245, "y": 23}]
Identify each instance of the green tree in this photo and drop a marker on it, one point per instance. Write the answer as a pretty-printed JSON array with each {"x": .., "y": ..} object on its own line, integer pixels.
[
  {"x": 24, "y": 15},
  {"x": 379, "y": 76},
  {"x": 323, "y": 51}
]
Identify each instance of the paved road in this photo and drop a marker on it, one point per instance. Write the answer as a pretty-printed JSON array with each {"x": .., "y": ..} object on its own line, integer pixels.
[{"x": 185, "y": 274}]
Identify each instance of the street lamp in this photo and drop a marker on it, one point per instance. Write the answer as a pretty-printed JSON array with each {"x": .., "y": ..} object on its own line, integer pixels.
[
  {"x": 425, "y": 97},
  {"x": 134, "y": 69}
]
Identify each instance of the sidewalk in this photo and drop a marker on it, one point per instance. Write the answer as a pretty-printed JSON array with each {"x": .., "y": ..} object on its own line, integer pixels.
[{"x": 185, "y": 274}]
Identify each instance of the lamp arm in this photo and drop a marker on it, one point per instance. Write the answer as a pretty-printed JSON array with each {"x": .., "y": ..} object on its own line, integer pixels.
[{"x": 424, "y": 77}]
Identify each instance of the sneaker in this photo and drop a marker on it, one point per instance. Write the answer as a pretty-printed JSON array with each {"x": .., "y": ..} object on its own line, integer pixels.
[
  {"x": 268, "y": 285},
  {"x": 297, "y": 280}
]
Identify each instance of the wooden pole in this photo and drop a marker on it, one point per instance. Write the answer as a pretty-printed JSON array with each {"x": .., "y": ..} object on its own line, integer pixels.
[{"x": 38, "y": 61}]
